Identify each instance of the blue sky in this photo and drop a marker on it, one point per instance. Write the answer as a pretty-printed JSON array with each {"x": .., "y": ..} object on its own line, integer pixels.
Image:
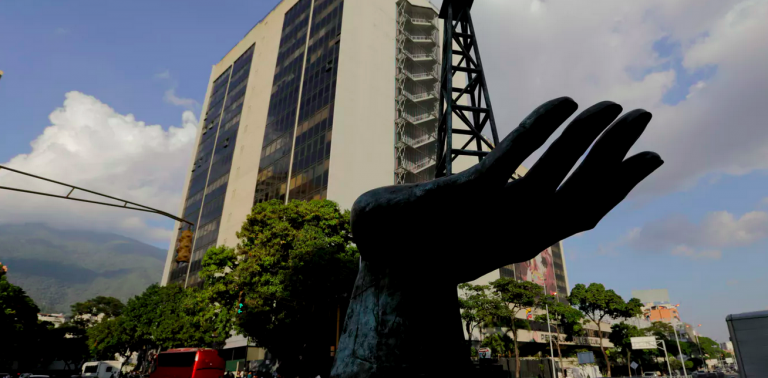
[{"x": 129, "y": 55}]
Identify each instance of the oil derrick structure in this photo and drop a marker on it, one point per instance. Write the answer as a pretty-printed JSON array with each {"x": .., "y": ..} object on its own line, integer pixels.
[{"x": 461, "y": 54}]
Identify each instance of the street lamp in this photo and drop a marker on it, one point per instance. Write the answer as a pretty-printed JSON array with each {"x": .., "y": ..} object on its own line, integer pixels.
[
  {"x": 549, "y": 329},
  {"x": 682, "y": 361}
]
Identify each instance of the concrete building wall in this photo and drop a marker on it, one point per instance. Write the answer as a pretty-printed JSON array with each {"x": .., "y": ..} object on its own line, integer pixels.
[
  {"x": 363, "y": 144},
  {"x": 651, "y": 296}
]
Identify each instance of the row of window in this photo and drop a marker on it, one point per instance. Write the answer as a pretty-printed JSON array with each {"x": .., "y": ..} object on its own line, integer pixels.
[
  {"x": 275, "y": 150},
  {"x": 210, "y": 215},
  {"x": 281, "y": 115},
  {"x": 310, "y": 181},
  {"x": 271, "y": 183},
  {"x": 195, "y": 197},
  {"x": 312, "y": 152},
  {"x": 231, "y": 123},
  {"x": 218, "y": 183},
  {"x": 311, "y": 156}
]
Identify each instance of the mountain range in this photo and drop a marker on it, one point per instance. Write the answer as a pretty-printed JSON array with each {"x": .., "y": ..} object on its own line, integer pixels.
[{"x": 60, "y": 267}]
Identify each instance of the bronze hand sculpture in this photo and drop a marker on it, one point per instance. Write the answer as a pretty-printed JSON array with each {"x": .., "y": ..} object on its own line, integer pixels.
[{"x": 418, "y": 241}]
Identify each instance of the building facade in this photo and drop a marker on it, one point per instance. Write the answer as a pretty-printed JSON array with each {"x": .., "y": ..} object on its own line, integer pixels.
[{"x": 322, "y": 99}]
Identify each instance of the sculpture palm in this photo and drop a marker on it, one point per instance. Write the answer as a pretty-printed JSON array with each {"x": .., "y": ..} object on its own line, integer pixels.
[{"x": 419, "y": 241}]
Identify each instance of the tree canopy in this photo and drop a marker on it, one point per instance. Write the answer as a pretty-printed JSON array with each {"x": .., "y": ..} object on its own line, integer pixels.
[
  {"x": 293, "y": 269},
  {"x": 109, "y": 306},
  {"x": 597, "y": 303},
  {"x": 517, "y": 296},
  {"x": 18, "y": 321},
  {"x": 620, "y": 336},
  {"x": 479, "y": 304}
]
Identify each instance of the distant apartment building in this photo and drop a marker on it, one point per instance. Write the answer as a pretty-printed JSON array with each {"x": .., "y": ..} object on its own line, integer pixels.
[
  {"x": 654, "y": 296},
  {"x": 727, "y": 346}
]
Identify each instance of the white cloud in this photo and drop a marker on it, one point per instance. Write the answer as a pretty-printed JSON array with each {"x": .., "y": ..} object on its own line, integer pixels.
[
  {"x": 534, "y": 51},
  {"x": 686, "y": 251},
  {"x": 718, "y": 230},
  {"x": 91, "y": 146},
  {"x": 187, "y": 103},
  {"x": 695, "y": 88},
  {"x": 163, "y": 75}
]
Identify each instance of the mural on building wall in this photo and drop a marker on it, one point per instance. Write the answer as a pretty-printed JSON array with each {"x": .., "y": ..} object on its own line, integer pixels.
[{"x": 539, "y": 270}]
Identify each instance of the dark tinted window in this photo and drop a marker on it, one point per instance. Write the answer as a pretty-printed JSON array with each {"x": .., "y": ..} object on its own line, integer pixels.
[
  {"x": 176, "y": 359},
  {"x": 90, "y": 369}
]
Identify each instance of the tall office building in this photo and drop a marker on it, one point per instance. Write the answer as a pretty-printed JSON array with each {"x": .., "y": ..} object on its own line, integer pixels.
[{"x": 322, "y": 99}]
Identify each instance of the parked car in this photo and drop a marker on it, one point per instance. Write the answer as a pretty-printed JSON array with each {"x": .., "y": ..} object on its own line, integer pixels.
[{"x": 652, "y": 374}]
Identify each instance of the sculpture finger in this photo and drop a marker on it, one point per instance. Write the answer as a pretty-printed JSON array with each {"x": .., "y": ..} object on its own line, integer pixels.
[
  {"x": 610, "y": 149},
  {"x": 533, "y": 131},
  {"x": 552, "y": 167},
  {"x": 629, "y": 173}
]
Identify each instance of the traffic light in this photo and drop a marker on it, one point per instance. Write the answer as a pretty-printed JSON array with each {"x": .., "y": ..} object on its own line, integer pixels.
[
  {"x": 184, "y": 249},
  {"x": 240, "y": 304}
]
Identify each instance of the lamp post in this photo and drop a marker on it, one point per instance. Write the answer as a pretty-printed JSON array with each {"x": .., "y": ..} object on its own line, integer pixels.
[
  {"x": 685, "y": 373},
  {"x": 549, "y": 329},
  {"x": 680, "y": 351}
]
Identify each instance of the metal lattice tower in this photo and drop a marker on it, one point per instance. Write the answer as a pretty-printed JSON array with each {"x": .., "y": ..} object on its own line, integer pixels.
[
  {"x": 459, "y": 39},
  {"x": 416, "y": 98}
]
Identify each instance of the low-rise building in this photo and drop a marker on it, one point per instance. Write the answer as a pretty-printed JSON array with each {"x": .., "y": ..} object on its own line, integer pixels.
[{"x": 56, "y": 319}]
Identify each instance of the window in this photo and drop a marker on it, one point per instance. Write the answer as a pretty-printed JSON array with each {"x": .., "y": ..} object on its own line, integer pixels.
[
  {"x": 109, "y": 369},
  {"x": 90, "y": 368},
  {"x": 176, "y": 359}
]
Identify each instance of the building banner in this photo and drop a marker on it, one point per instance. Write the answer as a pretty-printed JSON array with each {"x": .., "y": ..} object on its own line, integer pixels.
[{"x": 538, "y": 270}]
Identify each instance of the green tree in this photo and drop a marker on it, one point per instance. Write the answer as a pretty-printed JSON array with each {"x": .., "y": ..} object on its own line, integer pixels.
[
  {"x": 169, "y": 317},
  {"x": 111, "y": 307},
  {"x": 19, "y": 328},
  {"x": 517, "y": 296},
  {"x": 564, "y": 320},
  {"x": 500, "y": 344},
  {"x": 597, "y": 303},
  {"x": 710, "y": 348},
  {"x": 661, "y": 330},
  {"x": 70, "y": 343},
  {"x": 620, "y": 337},
  {"x": 477, "y": 306},
  {"x": 293, "y": 269},
  {"x": 108, "y": 338}
]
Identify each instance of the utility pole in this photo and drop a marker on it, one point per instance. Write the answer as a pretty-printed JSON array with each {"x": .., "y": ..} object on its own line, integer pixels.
[{"x": 551, "y": 351}]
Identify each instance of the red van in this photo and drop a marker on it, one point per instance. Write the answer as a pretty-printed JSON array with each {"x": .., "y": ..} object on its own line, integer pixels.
[{"x": 189, "y": 363}]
